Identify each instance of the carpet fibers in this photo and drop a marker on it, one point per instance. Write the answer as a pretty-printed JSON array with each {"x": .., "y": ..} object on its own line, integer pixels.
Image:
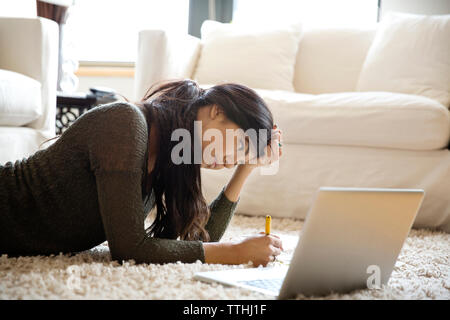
[{"x": 421, "y": 272}]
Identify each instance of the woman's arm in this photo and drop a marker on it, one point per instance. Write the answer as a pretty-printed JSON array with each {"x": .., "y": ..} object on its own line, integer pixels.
[
  {"x": 234, "y": 187},
  {"x": 240, "y": 175},
  {"x": 260, "y": 249},
  {"x": 121, "y": 209},
  {"x": 223, "y": 207},
  {"x": 117, "y": 154}
]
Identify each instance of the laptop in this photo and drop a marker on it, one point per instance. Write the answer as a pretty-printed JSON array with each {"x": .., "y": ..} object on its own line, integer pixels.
[{"x": 350, "y": 240}]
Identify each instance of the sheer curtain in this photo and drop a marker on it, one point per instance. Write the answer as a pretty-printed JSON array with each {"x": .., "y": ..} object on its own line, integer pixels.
[{"x": 58, "y": 11}]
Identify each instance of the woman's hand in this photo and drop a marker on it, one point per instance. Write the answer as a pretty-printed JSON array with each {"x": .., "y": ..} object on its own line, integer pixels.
[
  {"x": 272, "y": 151},
  {"x": 233, "y": 189},
  {"x": 259, "y": 249}
]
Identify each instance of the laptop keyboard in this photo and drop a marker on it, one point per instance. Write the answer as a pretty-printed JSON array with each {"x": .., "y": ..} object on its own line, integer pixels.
[{"x": 273, "y": 284}]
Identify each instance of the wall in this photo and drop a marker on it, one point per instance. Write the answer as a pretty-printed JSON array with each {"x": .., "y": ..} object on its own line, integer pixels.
[
  {"x": 122, "y": 85},
  {"x": 416, "y": 6},
  {"x": 18, "y": 8}
]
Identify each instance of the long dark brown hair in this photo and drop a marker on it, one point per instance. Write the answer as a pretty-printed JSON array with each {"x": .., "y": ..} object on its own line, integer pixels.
[{"x": 174, "y": 104}]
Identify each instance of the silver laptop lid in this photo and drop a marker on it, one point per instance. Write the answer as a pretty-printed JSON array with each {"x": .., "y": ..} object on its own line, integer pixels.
[{"x": 351, "y": 236}]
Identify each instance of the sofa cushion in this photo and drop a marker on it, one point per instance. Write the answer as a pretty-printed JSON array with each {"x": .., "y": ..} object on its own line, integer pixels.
[
  {"x": 371, "y": 119},
  {"x": 257, "y": 58},
  {"x": 330, "y": 59},
  {"x": 410, "y": 54},
  {"x": 20, "y": 99},
  {"x": 17, "y": 143}
]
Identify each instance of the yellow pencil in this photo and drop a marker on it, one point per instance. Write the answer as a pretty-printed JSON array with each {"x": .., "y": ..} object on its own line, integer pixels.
[{"x": 268, "y": 223}]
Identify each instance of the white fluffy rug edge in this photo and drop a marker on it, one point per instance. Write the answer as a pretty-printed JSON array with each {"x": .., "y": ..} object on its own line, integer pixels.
[{"x": 422, "y": 271}]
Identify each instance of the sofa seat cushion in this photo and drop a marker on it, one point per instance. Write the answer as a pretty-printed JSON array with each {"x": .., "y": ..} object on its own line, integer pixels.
[
  {"x": 20, "y": 99},
  {"x": 370, "y": 119}
]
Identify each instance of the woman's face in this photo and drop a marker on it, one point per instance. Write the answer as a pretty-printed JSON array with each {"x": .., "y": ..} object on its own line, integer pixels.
[{"x": 223, "y": 142}]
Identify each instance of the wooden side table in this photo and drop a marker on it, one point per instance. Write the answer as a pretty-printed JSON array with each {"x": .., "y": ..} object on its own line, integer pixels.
[{"x": 70, "y": 106}]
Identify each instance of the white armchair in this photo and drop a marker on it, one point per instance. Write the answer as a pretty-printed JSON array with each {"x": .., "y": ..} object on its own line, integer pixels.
[{"x": 29, "y": 48}]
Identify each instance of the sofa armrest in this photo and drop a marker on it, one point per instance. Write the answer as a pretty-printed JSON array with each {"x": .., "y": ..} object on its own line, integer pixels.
[
  {"x": 163, "y": 56},
  {"x": 30, "y": 46}
]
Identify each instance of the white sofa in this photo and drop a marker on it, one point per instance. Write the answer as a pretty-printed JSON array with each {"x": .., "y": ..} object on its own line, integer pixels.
[
  {"x": 333, "y": 135},
  {"x": 28, "y": 76}
]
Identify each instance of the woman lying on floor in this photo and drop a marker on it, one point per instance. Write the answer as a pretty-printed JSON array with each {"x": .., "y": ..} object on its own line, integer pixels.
[{"x": 105, "y": 173}]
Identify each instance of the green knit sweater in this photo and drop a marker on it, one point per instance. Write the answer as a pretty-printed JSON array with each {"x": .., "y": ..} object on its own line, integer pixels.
[{"x": 86, "y": 188}]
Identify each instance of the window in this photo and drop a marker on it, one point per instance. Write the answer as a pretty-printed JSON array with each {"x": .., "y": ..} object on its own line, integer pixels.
[
  {"x": 310, "y": 12},
  {"x": 107, "y": 30}
]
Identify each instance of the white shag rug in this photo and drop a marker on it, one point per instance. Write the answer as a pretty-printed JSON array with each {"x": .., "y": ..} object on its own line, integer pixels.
[{"x": 421, "y": 272}]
